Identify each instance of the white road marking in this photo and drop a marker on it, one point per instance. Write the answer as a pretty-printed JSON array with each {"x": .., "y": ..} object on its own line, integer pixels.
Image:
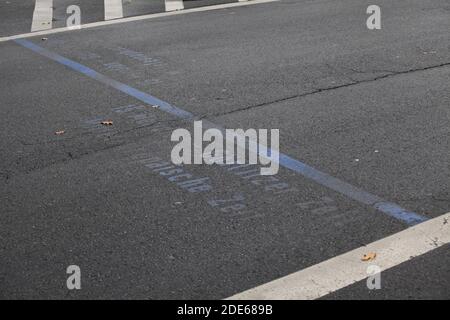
[
  {"x": 113, "y": 9},
  {"x": 137, "y": 18},
  {"x": 172, "y": 5},
  {"x": 42, "y": 15},
  {"x": 346, "y": 269}
]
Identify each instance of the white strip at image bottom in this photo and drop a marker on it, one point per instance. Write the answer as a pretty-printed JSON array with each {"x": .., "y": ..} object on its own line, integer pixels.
[{"x": 343, "y": 270}]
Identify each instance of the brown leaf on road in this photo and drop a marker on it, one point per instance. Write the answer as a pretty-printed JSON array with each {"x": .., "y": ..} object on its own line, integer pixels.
[
  {"x": 369, "y": 256},
  {"x": 107, "y": 123}
]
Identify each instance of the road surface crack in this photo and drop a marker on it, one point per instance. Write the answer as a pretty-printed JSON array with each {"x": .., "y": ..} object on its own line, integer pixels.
[{"x": 388, "y": 74}]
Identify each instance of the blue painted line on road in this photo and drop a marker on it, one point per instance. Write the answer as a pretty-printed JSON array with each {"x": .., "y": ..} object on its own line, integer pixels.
[
  {"x": 142, "y": 96},
  {"x": 352, "y": 192},
  {"x": 393, "y": 210}
]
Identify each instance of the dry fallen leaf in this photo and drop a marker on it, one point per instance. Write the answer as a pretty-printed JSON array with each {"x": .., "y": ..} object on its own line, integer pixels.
[
  {"x": 107, "y": 123},
  {"x": 58, "y": 133},
  {"x": 369, "y": 256}
]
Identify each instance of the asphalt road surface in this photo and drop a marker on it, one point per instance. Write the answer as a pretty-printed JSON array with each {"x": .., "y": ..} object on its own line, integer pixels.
[{"x": 368, "y": 109}]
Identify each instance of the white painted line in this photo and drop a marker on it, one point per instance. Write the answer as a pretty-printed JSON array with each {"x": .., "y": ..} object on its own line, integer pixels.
[
  {"x": 113, "y": 9},
  {"x": 346, "y": 269},
  {"x": 172, "y": 5},
  {"x": 137, "y": 18},
  {"x": 42, "y": 15}
]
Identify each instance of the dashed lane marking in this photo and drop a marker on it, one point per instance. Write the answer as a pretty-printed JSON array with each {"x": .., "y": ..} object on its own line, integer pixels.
[
  {"x": 113, "y": 9},
  {"x": 136, "y": 18},
  {"x": 42, "y": 15}
]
